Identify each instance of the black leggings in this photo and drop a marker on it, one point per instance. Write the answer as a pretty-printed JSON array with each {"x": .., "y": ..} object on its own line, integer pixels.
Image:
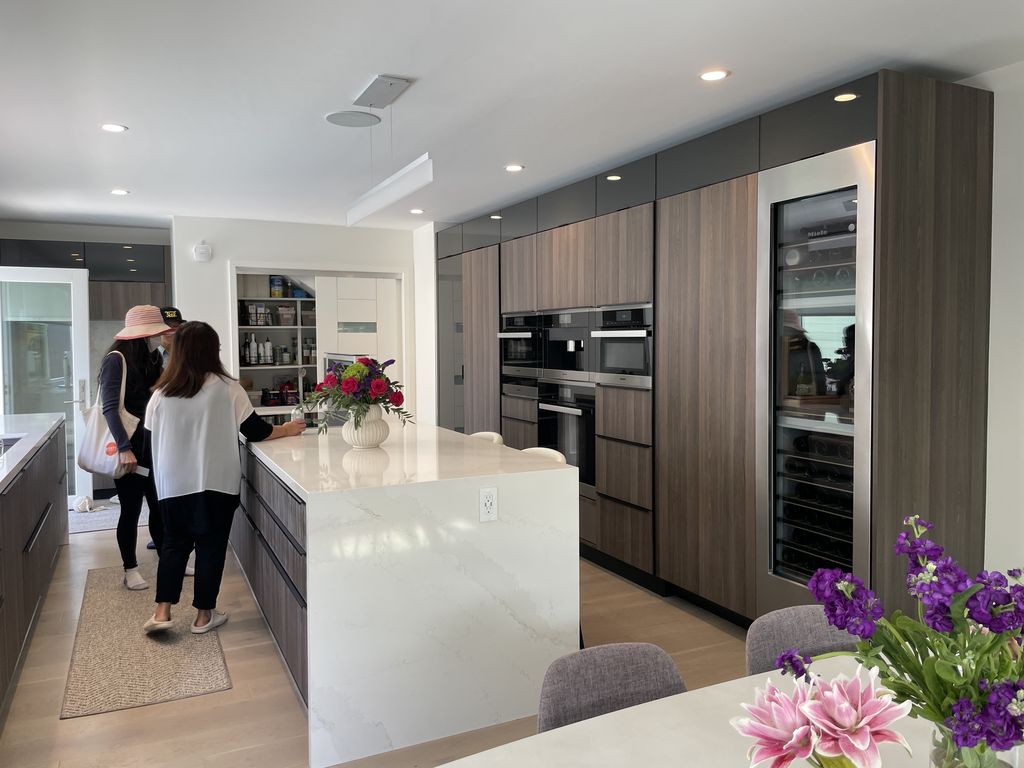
[
  {"x": 199, "y": 520},
  {"x": 131, "y": 490}
]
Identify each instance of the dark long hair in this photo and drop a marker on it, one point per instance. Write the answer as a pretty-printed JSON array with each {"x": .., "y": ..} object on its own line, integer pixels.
[
  {"x": 138, "y": 359},
  {"x": 196, "y": 354}
]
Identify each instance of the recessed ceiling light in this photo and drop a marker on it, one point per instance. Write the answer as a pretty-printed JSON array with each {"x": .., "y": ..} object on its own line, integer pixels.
[
  {"x": 79, "y": 259},
  {"x": 854, "y": 201},
  {"x": 714, "y": 74},
  {"x": 119, "y": 192},
  {"x": 415, "y": 211},
  {"x": 127, "y": 247},
  {"x": 496, "y": 217},
  {"x": 613, "y": 177},
  {"x": 133, "y": 269},
  {"x": 843, "y": 97},
  {"x": 114, "y": 128},
  {"x": 75, "y": 254},
  {"x": 130, "y": 260},
  {"x": 514, "y": 167}
]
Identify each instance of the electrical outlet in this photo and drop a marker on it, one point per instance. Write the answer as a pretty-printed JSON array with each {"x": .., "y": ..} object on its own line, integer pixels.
[{"x": 488, "y": 505}]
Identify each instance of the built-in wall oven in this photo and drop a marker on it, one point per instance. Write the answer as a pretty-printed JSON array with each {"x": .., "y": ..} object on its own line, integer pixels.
[
  {"x": 567, "y": 345},
  {"x": 521, "y": 345},
  {"x": 621, "y": 352},
  {"x": 565, "y": 422}
]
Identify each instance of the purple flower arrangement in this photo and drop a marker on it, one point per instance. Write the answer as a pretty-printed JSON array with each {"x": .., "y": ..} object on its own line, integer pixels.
[
  {"x": 959, "y": 663},
  {"x": 358, "y": 386}
]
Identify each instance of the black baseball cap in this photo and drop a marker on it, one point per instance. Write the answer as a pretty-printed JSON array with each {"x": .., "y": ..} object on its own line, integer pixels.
[{"x": 172, "y": 316}]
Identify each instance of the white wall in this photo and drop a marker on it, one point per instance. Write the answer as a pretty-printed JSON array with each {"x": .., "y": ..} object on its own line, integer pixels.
[
  {"x": 207, "y": 291},
  {"x": 1004, "y": 526},
  {"x": 425, "y": 264},
  {"x": 91, "y": 233}
]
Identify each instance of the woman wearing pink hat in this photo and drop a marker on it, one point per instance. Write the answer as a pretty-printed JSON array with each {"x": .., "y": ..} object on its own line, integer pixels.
[{"x": 143, "y": 326}]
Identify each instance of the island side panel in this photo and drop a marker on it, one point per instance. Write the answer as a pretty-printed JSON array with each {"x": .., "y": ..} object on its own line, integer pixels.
[{"x": 425, "y": 622}]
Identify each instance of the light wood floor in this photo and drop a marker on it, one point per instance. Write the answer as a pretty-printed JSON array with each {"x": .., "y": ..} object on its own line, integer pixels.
[{"x": 260, "y": 722}]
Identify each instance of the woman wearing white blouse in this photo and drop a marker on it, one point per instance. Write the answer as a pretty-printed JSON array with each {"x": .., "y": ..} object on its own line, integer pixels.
[{"x": 192, "y": 425}]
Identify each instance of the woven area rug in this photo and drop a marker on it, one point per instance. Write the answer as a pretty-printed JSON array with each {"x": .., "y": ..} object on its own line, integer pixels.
[
  {"x": 116, "y": 666},
  {"x": 105, "y": 520}
]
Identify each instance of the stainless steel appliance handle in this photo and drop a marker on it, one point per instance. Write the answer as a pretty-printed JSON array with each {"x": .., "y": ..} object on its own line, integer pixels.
[
  {"x": 560, "y": 409},
  {"x": 639, "y": 334},
  {"x": 516, "y": 335}
]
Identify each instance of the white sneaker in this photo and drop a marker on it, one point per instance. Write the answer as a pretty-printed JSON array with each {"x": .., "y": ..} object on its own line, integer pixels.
[{"x": 133, "y": 580}]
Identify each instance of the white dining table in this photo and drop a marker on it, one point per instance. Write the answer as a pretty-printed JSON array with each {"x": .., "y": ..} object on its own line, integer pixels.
[{"x": 690, "y": 729}]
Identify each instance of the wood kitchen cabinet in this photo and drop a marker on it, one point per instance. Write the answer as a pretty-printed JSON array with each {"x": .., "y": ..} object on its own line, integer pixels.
[
  {"x": 705, "y": 391},
  {"x": 519, "y": 275},
  {"x": 565, "y": 266},
  {"x": 110, "y": 300},
  {"x": 624, "y": 471},
  {"x": 624, "y": 414},
  {"x": 624, "y": 257},
  {"x": 480, "y": 311}
]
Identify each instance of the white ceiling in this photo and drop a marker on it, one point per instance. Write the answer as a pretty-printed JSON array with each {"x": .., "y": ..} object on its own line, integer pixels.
[{"x": 226, "y": 98}]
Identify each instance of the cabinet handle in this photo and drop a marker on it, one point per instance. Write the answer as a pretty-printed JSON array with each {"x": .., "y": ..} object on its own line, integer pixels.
[
  {"x": 11, "y": 484},
  {"x": 516, "y": 335},
  {"x": 641, "y": 334},
  {"x": 38, "y": 529}
]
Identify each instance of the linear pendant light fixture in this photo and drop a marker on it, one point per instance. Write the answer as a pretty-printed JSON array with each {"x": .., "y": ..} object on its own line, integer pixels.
[{"x": 398, "y": 185}]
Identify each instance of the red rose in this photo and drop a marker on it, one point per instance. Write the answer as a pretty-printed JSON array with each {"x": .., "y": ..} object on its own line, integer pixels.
[
  {"x": 364, "y": 360},
  {"x": 319, "y": 387},
  {"x": 330, "y": 380},
  {"x": 378, "y": 387},
  {"x": 396, "y": 398},
  {"x": 349, "y": 385}
]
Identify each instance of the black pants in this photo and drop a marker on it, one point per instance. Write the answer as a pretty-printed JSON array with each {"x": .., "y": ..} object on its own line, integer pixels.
[
  {"x": 201, "y": 521},
  {"x": 131, "y": 490}
]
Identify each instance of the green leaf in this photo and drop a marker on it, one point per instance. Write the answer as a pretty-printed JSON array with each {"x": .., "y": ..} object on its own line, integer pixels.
[{"x": 949, "y": 672}]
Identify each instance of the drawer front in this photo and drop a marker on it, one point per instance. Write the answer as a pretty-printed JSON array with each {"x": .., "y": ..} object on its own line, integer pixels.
[
  {"x": 290, "y": 556},
  {"x": 518, "y": 408},
  {"x": 624, "y": 472},
  {"x": 624, "y": 414},
  {"x": 589, "y": 521},
  {"x": 626, "y": 533},
  {"x": 288, "y": 508},
  {"x": 519, "y": 434}
]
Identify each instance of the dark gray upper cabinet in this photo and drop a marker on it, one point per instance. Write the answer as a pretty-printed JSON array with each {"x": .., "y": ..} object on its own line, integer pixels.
[
  {"x": 481, "y": 232},
  {"x": 725, "y": 154},
  {"x": 634, "y": 186},
  {"x": 117, "y": 262},
  {"x": 820, "y": 124},
  {"x": 567, "y": 205},
  {"x": 449, "y": 241},
  {"x": 519, "y": 220},
  {"x": 43, "y": 253}
]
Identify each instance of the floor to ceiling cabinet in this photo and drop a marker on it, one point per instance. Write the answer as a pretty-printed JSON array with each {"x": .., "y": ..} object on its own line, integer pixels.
[
  {"x": 480, "y": 338},
  {"x": 705, "y": 391}
]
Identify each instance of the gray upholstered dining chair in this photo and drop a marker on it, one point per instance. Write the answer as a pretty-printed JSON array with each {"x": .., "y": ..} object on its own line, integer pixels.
[
  {"x": 802, "y": 627},
  {"x": 603, "y": 679}
]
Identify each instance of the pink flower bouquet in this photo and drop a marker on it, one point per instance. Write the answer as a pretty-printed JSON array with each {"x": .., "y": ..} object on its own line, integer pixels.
[{"x": 830, "y": 724}]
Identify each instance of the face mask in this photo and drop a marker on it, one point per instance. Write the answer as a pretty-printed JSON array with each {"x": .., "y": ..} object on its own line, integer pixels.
[{"x": 154, "y": 343}]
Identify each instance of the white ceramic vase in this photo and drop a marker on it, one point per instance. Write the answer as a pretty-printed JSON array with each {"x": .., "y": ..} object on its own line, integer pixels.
[{"x": 372, "y": 431}]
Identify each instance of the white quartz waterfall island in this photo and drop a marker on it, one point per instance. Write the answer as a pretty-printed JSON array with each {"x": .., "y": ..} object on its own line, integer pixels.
[{"x": 401, "y": 615}]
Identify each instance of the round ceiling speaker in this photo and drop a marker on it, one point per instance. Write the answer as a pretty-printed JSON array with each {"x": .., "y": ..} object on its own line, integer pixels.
[{"x": 353, "y": 118}]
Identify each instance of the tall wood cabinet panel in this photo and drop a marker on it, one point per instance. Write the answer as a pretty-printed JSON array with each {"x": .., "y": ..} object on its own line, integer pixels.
[
  {"x": 565, "y": 266},
  {"x": 704, "y": 391},
  {"x": 480, "y": 336},
  {"x": 109, "y": 300},
  {"x": 933, "y": 215},
  {"x": 519, "y": 275},
  {"x": 624, "y": 256}
]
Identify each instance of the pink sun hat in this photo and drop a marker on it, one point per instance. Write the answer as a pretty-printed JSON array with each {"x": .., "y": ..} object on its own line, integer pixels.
[{"x": 142, "y": 322}]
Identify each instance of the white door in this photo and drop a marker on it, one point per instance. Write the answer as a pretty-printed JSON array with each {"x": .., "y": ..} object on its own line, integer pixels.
[{"x": 44, "y": 351}]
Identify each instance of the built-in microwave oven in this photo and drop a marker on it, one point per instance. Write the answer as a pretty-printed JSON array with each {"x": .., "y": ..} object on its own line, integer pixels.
[
  {"x": 622, "y": 346},
  {"x": 521, "y": 345}
]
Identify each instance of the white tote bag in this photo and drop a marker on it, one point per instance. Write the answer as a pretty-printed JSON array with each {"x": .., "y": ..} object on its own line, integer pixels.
[{"x": 99, "y": 453}]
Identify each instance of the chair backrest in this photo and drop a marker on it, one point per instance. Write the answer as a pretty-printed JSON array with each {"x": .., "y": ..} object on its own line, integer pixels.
[
  {"x": 604, "y": 679},
  {"x": 549, "y": 453},
  {"x": 492, "y": 437},
  {"x": 803, "y": 627}
]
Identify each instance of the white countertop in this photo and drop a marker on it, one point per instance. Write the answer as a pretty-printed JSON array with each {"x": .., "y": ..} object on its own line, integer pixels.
[
  {"x": 33, "y": 429},
  {"x": 691, "y": 729},
  {"x": 312, "y": 463}
]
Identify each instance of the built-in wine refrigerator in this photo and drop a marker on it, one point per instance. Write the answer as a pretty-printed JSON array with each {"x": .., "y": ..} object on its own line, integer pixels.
[{"x": 815, "y": 286}]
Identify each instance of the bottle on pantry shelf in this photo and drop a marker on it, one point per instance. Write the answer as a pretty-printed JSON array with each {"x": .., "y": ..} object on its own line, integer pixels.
[
  {"x": 286, "y": 356},
  {"x": 253, "y": 352},
  {"x": 268, "y": 352}
]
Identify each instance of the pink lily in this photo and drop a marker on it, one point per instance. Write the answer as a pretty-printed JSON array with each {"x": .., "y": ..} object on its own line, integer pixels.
[
  {"x": 852, "y": 718},
  {"x": 782, "y": 732}
]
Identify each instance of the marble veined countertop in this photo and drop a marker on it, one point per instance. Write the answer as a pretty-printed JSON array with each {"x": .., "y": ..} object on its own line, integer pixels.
[
  {"x": 311, "y": 463},
  {"x": 32, "y": 429}
]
